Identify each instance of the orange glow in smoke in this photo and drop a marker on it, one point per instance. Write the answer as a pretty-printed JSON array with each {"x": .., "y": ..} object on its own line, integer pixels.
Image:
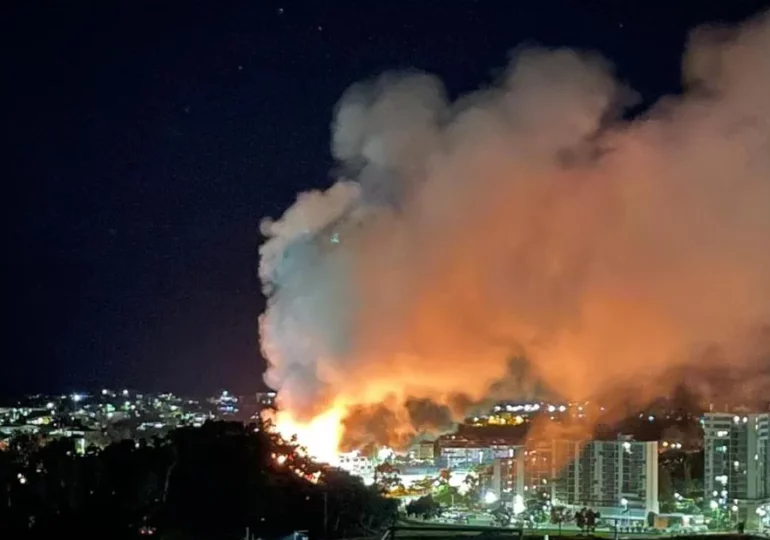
[
  {"x": 540, "y": 239},
  {"x": 320, "y": 436}
]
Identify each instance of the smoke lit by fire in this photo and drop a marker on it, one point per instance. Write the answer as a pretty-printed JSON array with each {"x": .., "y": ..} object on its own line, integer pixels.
[{"x": 528, "y": 220}]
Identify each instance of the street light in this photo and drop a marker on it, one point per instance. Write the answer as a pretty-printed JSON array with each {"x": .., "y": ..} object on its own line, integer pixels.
[
  {"x": 518, "y": 504},
  {"x": 490, "y": 497},
  {"x": 624, "y": 504}
]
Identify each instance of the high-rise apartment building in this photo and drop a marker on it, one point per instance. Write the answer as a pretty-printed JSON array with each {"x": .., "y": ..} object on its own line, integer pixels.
[
  {"x": 737, "y": 461},
  {"x": 508, "y": 474},
  {"x": 608, "y": 474},
  {"x": 620, "y": 474},
  {"x": 524, "y": 470}
]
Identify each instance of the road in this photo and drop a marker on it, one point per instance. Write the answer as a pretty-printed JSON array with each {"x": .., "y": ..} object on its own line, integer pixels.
[{"x": 456, "y": 530}]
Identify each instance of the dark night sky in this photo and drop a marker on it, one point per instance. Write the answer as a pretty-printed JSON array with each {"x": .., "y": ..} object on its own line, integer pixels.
[{"x": 148, "y": 138}]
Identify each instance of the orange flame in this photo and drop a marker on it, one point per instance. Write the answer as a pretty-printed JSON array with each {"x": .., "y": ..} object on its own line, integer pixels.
[{"x": 320, "y": 436}]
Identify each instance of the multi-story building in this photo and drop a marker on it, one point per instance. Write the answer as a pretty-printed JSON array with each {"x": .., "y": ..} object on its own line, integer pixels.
[
  {"x": 737, "y": 460},
  {"x": 567, "y": 467},
  {"x": 357, "y": 464},
  {"x": 423, "y": 451},
  {"x": 610, "y": 474},
  {"x": 508, "y": 474},
  {"x": 618, "y": 476},
  {"x": 454, "y": 451},
  {"x": 539, "y": 467},
  {"x": 266, "y": 399}
]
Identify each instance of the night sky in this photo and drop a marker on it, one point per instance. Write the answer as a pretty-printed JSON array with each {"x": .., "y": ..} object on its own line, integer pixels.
[{"x": 148, "y": 139}]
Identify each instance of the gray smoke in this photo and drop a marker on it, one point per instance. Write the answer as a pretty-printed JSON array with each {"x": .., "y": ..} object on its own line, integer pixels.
[{"x": 526, "y": 220}]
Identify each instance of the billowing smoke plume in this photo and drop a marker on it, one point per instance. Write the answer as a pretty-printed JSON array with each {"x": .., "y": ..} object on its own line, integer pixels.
[{"x": 527, "y": 220}]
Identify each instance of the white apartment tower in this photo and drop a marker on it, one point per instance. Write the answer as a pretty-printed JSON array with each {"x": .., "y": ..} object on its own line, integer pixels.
[
  {"x": 737, "y": 461},
  {"x": 609, "y": 474},
  {"x": 596, "y": 474}
]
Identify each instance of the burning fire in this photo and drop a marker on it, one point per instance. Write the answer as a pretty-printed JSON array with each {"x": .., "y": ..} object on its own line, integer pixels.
[
  {"x": 533, "y": 235},
  {"x": 321, "y": 435}
]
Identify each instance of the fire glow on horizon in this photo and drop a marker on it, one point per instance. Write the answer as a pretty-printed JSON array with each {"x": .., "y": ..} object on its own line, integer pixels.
[{"x": 320, "y": 436}]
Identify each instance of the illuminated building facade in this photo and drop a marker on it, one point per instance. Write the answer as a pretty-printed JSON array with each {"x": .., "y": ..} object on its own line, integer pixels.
[
  {"x": 524, "y": 471},
  {"x": 424, "y": 451},
  {"x": 618, "y": 474},
  {"x": 357, "y": 464},
  {"x": 453, "y": 451},
  {"x": 508, "y": 474},
  {"x": 266, "y": 399},
  {"x": 737, "y": 461}
]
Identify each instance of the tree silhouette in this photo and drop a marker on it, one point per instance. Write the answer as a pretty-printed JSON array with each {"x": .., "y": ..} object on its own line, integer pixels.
[
  {"x": 425, "y": 507},
  {"x": 580, "y": 519},
  {"x": 501, "y": 516},
  {"x": 207, "y": 482},
  {"x": 665, "y": 486},
  {"x": 651, "y": 516},
  {"x": 558, "y": 516}
]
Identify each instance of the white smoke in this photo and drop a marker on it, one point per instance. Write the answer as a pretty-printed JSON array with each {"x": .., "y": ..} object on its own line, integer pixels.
[{"x": 527, "y": 219}]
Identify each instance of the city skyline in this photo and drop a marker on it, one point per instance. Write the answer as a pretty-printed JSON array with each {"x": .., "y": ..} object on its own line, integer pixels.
[{"x": 644, "y": 467}]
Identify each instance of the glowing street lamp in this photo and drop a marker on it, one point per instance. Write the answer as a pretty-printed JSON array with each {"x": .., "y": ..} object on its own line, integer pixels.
[
  {"x": 518, "y": 504},
  {"x": 490, "y": 497}
]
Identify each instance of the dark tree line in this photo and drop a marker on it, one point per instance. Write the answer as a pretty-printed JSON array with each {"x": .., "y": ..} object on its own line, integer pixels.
[
  {"x": 209, "y": 483},
  {"x": 425, "y": 507}
]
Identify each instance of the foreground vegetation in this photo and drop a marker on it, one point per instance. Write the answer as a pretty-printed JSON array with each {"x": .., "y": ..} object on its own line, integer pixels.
[{"x": 207, "y": 483}]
